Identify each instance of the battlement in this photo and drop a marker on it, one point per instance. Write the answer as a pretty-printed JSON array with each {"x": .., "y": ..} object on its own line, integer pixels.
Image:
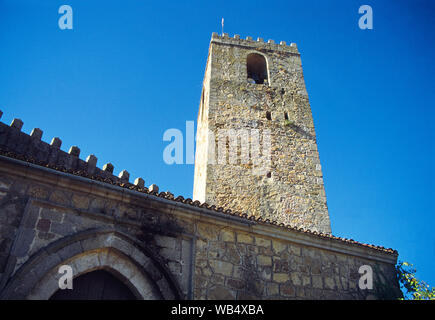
[
  {"x": 12, "y": 139},
  {"x": 258, "y": 44}
]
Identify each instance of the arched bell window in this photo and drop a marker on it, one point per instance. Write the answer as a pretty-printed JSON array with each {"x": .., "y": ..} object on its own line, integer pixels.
[{"x": 257, "y": 68}]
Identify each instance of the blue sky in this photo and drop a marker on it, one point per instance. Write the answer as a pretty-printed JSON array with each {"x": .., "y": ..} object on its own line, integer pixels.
[{"x": 129, "y": 70}]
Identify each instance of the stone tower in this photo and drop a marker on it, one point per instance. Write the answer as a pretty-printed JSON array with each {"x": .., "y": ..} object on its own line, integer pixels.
[{"x": 256, "y": 147}]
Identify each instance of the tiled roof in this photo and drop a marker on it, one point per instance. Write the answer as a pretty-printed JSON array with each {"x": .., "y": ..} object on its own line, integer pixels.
[{"x": 84, "y": 169}]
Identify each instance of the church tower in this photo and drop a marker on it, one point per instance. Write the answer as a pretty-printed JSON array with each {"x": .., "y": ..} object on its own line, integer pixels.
[{"x": 256, "y": 149}]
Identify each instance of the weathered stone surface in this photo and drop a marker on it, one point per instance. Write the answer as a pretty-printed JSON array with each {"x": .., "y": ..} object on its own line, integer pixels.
[
  {"x": 263, "y": 242},
  {"x": 281, "y": 277},
  {"x": 280, "y": 185},
  {"x": 208, "y": 231},
  {"x": 60, "y": 197},
  {"x": 221, "y": 293},
  {"x": 264, "y": 260},
  {"x": 245, "y": 238},
  {"x": 317, "y": 282},
  {"x": 287, "y": 290},
  {"x": 278, "y": 246},
  {"x": 229, "y": 262},
  {"x": 80, "y": 201},
  {"x": 227, "y": 235},
  {"x": 43, "y": 225},
  {"x": 221, "y": 267},
  {"x": 38, "y": 191}
]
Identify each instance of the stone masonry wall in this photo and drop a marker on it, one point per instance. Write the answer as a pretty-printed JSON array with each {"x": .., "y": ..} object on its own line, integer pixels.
[
  {"x": 204, "y": 254},
  {"x": 290, "y": 188},
  {"x": 36, "y": 214},
  {"x": 233, "y": 264}
]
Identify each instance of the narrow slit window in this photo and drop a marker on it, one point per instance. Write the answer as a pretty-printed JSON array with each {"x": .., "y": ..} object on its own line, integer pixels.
[
  {"x": 285, "y": 116},
  {"x": 257, "y": 69},
  {"x": 201, "y": 115},
  {"x": 268, "y": 116}
]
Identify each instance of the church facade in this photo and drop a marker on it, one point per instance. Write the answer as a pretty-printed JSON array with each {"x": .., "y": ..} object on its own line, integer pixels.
[{"x": 254, "y": 230}]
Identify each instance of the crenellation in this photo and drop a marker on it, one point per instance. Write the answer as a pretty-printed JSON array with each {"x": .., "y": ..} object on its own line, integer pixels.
[
  {"x": 153, "y": 188},
  {"x": 56, "y": 143},
  {"x": 91, "y": 162},
  {"x": 32, "y": 146},
  {"x": 17, "y": 124},
  {"x": 248, "y": 41},
  {"x": 36, "y": 134},
  {"x": 124, "y": 176},
  {"x": 108, "y": 167},
  {"x": 13, "y": 139},
  {"x": 139, "y": 182},
  {"x": 74, "y": 151}
]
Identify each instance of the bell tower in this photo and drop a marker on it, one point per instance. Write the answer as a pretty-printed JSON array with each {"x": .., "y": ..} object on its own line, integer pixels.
[{"x": 256, "y": 149}]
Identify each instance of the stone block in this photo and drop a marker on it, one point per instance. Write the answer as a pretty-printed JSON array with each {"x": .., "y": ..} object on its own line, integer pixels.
[
  {"x": 221, "y": 293},
  {"x": 139, "y": 182},
  {"x": 264, "y": 260},
  {"x": 221, "y": 267},
  {"x": 235, "y": 284},
  {"x": 272, "y": 289},
  {"x": 280, "y": 277},
  {"x": 278, "y": 246},
  {"x": 124, "y": 176},
  {"x": 245, "y": 238},
  {"x": 227, "y": 235},
  {"x": 296, "y": 278},
  {"x": 74, "y": 151},
  {"x": 56, "y": 143},
  {"x": 36, "y": 134},
  {"x": 43, "y": 225},
  {"x": 262, "y": 242},
  {"x": 209, "y": 232},
  {"x": 61, "y": 197},
  {"x": 80, "y": 201},
  {"x": 317, "y": 282},
  {"x": 108, "y": 167},
  {"x": 17, "y": 124},
  {"x": 287, "y": 290},
  {"x": 62, "y": 229}
]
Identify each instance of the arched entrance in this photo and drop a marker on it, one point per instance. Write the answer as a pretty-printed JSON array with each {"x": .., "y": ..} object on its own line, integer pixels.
[
  {"x": 126, "y": 259},
  {"x": 95, "y": 285}
]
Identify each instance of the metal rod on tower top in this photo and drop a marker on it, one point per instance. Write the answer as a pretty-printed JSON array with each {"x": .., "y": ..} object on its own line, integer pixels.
[{"x": 222, "y": 26}]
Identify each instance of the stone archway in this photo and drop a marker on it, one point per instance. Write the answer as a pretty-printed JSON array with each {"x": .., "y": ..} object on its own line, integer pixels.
[
  {"x": 111, "y": 259},
  {"x": 125, "y": 258}
]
